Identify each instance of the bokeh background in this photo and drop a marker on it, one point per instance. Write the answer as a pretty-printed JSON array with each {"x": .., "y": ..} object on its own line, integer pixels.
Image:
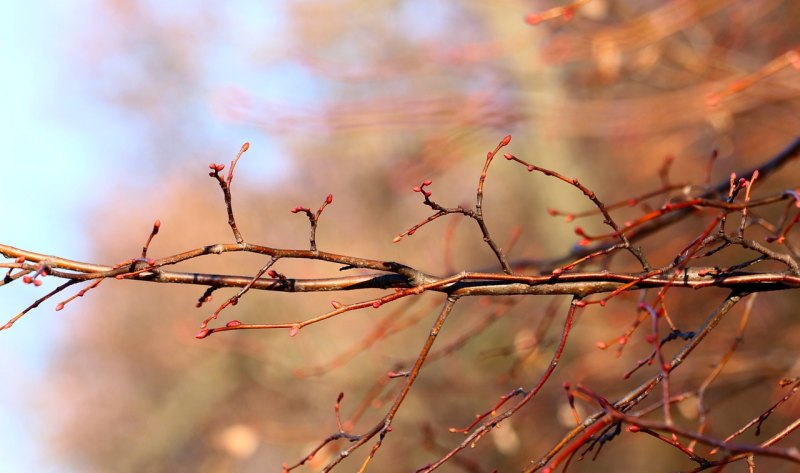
[{"x": 112, "y": 111}]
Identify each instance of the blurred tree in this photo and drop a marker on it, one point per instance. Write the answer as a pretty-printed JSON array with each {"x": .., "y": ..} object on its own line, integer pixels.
[{"x": 365, "y": 99}]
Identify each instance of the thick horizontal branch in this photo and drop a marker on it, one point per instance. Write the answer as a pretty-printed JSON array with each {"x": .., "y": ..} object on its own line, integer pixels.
[
  {"x": 86, "y": 271},
  {"x": 402, "y": 276}
]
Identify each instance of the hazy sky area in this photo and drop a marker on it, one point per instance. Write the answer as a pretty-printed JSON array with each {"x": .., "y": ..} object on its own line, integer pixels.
[
  {"x": 40, "y": 148},
  {"x": 62, "y": 147}
]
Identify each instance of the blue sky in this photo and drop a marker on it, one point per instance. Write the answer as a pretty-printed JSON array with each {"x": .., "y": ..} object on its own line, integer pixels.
[
  {"x": 36, "y": 151},
  {"x": 59, "y": 151}
]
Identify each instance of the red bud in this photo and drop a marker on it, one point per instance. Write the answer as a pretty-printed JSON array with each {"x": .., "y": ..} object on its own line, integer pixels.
[
  {"x": 533, "y": 19},
  {"x": 202, "y": 334}
]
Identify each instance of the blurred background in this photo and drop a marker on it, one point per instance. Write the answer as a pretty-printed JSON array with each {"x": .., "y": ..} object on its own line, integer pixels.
[{"x": 113, "y": 110}]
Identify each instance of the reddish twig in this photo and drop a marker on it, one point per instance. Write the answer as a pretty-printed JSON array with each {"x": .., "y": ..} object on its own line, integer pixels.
[
  {"x": 384, "y": 426},
  {"x": 635, "y": 251},
  {"x": 567, "y": 12},
  {"x": 476, "y": 214},
  {"x": 313, "y": 218},
  {"x": 36, "y": 303},
  {"x": 153, "y": 232},
  {"x": 225, "y": 185},
  {"x": 487, "y": 426}
]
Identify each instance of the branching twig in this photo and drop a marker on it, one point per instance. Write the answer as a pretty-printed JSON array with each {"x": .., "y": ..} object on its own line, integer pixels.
[
  {"x": 635, "y": 251},
  {"x": 476, "y": 214},
  {"x": 225, "y": 185},
  {"x": 486, "y": 427},
  {"x": 384, "y": 426},
  {"x": 313, "y": 218}
]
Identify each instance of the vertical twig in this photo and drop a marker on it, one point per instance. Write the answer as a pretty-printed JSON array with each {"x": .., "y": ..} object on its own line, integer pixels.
[
  {"x": 478, "y": 216},
  {"x": 384, "y": 426},
  {"x": 225, "y": 185}
]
